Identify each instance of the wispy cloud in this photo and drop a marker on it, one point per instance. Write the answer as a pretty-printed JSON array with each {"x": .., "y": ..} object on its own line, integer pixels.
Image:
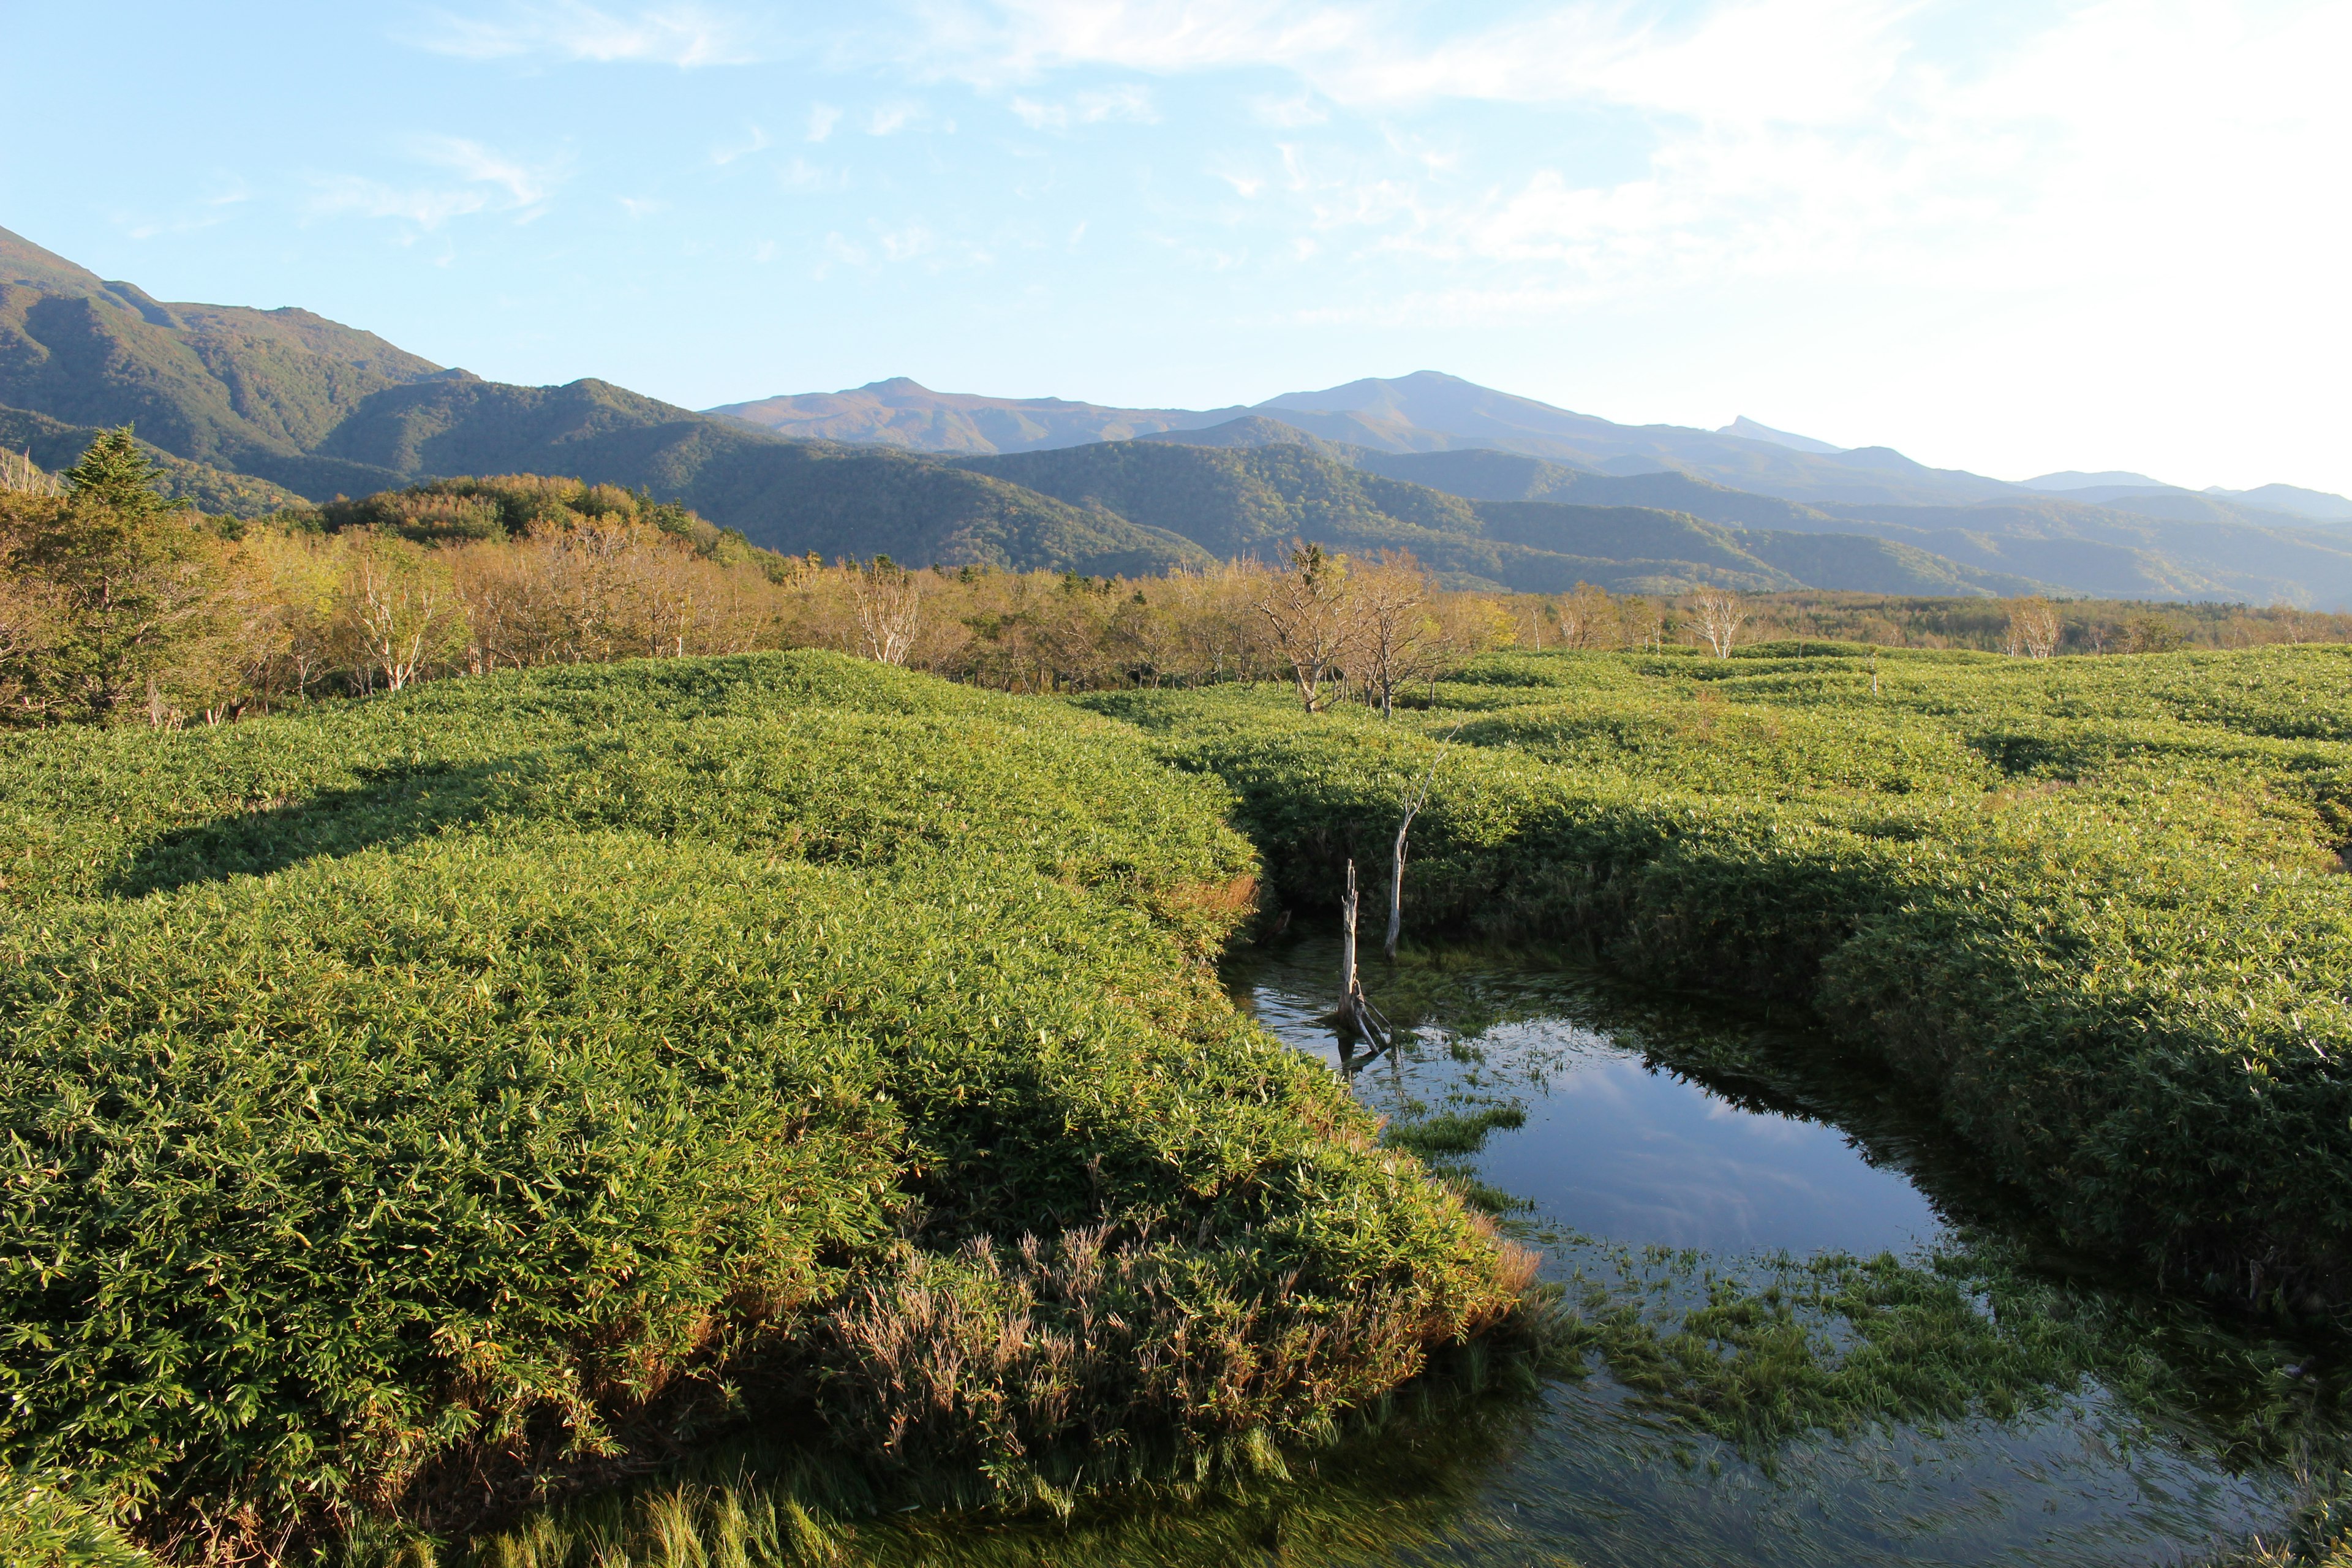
[
  {"x": 801, "y": 177},
  {"x": 1731, "y": 138},
  {"x": 1130, "y": 101},
  {"x": 753, "y": 140},
  {"x": 678, "y": 35},
  {"x": 823, "y": 118},
  {"x": 492, "y": 182},
  {"x": 356, "y": 196},
  {"x": 526, "y": 185}
]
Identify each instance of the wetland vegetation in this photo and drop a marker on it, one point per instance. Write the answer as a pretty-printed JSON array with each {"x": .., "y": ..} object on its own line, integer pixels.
[{"x": 698, "y": 1109}]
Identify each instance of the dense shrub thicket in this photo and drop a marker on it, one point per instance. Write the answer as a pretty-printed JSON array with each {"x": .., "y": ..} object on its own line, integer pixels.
[
  {"x": 412, "y": 1108},
  {"x": 2095, "y": 908}
]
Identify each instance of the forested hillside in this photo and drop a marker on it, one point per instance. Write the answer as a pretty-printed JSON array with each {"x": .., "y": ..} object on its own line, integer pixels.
[
  {"x": 1252, "y": 500},
  {"x": 243, "y": 410}
]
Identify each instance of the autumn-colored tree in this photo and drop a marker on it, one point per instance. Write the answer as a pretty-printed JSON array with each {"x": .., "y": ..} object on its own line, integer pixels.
[
  {"x": 2033, "y": 628},
  {"x": 1394, "y": 634},
  {"x": 1305, "y": 608},
  {"x": 123, "y": 586},
  {"x": 398, "y": 612}
]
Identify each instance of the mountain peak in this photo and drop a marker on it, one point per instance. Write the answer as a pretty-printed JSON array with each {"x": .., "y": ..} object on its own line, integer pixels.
[
  {"x": 2076, "y": 479},
  {"x": 1749, "y": 429}
]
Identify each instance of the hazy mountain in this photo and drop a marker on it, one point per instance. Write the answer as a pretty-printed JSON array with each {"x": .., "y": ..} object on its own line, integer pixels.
[
  {"x": 2075, "y": 479},
  {"x": 1749, "y": 429},
  {"x": 1423, "y": 412},
  {"x": 904, "y": 413},
  {"x": 243, "y": 406},
  {"x": 1252, "y": 501},
  {"x": 1256, "y": 430},
  {"x": 2099, "y": 550},
  {"x": 2319, "y": 506}
]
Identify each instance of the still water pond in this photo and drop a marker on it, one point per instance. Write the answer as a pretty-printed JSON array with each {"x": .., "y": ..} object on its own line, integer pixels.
[{"x": 1680, "y": 1148}]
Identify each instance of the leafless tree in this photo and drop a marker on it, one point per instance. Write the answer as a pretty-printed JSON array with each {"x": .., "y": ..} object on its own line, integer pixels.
[
  {"x": 1413, "y": 802},
  {"x": 2033, "y": 628},
  {"x": 1720, "y": 613},
  {"x": 400, "y": 610},
  {"x": 888, "y": 600},
  {"x": 1306, "y": 610},
  {"x": 19, "y": 473},
  {"x": 1394, "y": 634}
]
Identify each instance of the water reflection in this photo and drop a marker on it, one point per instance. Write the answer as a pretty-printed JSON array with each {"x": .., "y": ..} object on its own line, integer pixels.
[
  {"x": 1651, "y": 1124},
  {"x": 1616, "y": 1145},
  {"x": 1694, "y": 1176}
]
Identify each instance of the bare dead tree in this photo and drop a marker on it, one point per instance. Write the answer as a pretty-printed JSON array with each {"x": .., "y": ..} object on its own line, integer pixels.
[
  {"x": 1356, "y": 1010},
  {"x": 19, "y": 473},
  {"x": 1305, "y": 608},
  {"x": 888, "y": 600},
  {"x": 1720, "y": 615},
  {"x": 1413, "y": 801}
]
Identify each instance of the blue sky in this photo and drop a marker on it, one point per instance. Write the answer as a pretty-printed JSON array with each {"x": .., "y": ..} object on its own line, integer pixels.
[{"x": 2007, "y": 237}]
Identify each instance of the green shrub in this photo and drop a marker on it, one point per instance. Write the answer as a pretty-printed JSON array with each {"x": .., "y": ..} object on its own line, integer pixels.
[
  {"x": 2093, "y": 908},
  {"x": 421, "y": 1107}
]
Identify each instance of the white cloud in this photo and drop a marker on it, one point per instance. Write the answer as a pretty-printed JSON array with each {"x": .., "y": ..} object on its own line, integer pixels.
[
  {"x": 1754, "y": 138},
  {"x": 1289, "y": 113},
  {"x": 351, "y": 193},
  {"x": 906, "y": 244},
  {"x": 1129, "y": 101},
  {"x": 892, "y": 118},
  {"x": 525, "y": 186},
  {"x": 679, "y": 35},
  {"x": 822, "y": 118},
  {"x": 512, "y": 186},
  {"x": 753, "y": 140},
  {"x": 800, "y": 175}
]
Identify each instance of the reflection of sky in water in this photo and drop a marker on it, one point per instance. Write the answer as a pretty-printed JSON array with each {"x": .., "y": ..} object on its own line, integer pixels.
[
  {"x": 1623, "y": 1154},
  {"x": 1627, "y": 1154}
]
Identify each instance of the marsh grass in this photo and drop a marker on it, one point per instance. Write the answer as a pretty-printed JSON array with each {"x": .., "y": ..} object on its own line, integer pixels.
[
  {"x": 1397, "y": 1473},
  {"x": 423, "y": 1111},
  {"x": 2093, "y": 910}
]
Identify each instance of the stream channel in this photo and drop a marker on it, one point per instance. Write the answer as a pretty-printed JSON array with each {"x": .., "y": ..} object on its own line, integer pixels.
[
  {"x": 1800, "y": 1329},
  {"x": 1666, "y": 1149}
]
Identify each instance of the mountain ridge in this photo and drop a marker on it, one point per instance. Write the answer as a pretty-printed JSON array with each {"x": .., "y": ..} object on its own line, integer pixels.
[{"x": 245, "y": 409}]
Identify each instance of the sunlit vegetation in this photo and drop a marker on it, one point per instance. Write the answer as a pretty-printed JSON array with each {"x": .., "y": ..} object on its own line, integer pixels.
[
  {"x": 483, "y": 1033},
  {"x": 2093, "y": 908},
  {"x": 422, "y": 1105},
  {"x": 114, "y": 608}
]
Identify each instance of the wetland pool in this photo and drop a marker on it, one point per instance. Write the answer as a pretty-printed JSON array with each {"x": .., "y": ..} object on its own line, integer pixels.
[
  {"x": 1673, "y": 1151},
  {"x": 1794, "y": 1328}
]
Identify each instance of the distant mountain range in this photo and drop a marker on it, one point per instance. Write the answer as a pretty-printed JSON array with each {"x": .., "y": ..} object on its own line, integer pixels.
[
  {"x": 248, "y": 411},
  {"x": 1430, "y": 412}
]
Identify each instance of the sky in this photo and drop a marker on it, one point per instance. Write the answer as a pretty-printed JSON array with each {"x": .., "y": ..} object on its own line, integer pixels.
[{"x": 2009, "y": 237}]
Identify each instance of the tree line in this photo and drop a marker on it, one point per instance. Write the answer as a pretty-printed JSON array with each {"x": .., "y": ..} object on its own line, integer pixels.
[{"x": 117, "y": 606}]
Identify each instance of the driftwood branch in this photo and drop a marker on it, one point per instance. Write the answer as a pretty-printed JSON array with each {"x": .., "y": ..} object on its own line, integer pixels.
[{"x": 1357, "y": 1014}]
